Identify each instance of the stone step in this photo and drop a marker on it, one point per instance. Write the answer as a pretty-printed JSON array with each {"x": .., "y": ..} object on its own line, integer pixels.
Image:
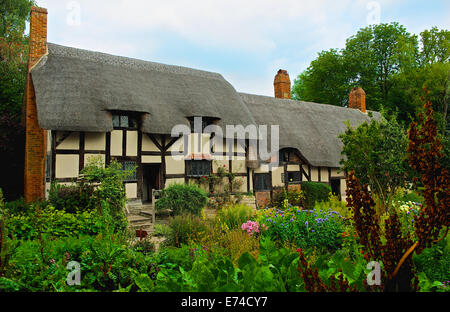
[
  {"x": 144, "y": 226},
  {"x": 146, "y": 213}
]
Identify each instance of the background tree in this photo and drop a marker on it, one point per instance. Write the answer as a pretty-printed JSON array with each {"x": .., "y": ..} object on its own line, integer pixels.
[
  {"x": 376, "y": 152},
  {"x": 325, "y": 80},
  {"x": 386, "y": 61},
  {"x": 13, "y": 66}
]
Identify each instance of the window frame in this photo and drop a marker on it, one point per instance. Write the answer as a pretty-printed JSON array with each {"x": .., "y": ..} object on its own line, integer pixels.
[
  {"x": 267, "y": 182},
  {"x": 189, "y": 163},
  {"x": 293, "y": 181},
  {"x": 206, "y": 121},
  {"x": 132, "y": 118},
  {"x": 122, "y": 162}
]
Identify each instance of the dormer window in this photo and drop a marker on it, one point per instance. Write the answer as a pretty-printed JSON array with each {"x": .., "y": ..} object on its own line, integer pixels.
[
  {"x": 205, "y": 121},
  {"x": 124, "y": 121}
]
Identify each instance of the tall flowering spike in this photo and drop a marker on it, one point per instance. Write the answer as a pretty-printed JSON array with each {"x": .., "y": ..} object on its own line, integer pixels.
[
  {"x": 364, "y": 215},
  {"x": 425, "y": 153}
]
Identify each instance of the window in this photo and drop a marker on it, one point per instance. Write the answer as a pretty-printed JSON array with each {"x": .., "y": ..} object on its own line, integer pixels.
[
  {"x": 294, "y": 176},
  {"x": 262, "y": 182},
  {"x": 128, "y": 165},
  {"x": 289, "y": 155},
  {"x": 198, "y": 168},
  {"x": 206, "y": 121},
  {"x": 124, "y": 121}
]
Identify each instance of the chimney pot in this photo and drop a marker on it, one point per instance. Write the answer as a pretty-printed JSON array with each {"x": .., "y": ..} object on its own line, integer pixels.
[{"x": 282, "y": 85}]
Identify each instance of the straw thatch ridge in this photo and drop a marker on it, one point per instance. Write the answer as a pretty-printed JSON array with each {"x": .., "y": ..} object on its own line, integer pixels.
[
  {"x": 76, "y": 88},
  {"x": 311, "y": 128}
]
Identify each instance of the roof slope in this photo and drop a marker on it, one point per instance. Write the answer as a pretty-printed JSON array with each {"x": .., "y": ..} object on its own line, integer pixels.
[
  {"x": 74, "y": 89},
  {"x": 310, "y": 127}
]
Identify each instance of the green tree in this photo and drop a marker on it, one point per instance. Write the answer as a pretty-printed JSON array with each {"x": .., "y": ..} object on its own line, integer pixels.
[
  {"x": 13, "y": 69},
  {"x": 386, "y": 61},
  {"x": 376, "y": 152},
  {"x": 325, "y": 80},
  {"x": 436, "y": 46}
]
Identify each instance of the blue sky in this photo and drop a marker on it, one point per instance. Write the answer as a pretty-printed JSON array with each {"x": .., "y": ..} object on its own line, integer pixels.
[{"x": 246, "y": 41}]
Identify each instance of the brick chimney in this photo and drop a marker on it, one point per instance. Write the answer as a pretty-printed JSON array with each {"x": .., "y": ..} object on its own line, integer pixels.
[
  {"x": 35, "y": 136},
  {"x": 282, "y": 85},
  {"x": 357, "y": 99}
]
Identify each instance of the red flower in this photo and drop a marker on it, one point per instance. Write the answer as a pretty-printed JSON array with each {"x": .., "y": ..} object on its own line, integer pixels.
[{"x": 299, "y": 249}]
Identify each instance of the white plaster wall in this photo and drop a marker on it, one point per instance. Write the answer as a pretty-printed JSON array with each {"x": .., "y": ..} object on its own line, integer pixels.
[
  {"x": 131, "y": 190},
  {"x": 132, "y": 143},
  {"x": 314, "y": 174},
  {"x": 116, "y": 142},
  {"x": 239, "y": 166},
  {"x": 305, "y": 168},
  {"x": 146, "y": 159},
  {"x": 243, "y": 187},
  {"x": 67, "y": 166},
  {"x": 95, "y": 141},
  {"x": 276, "y": 177},
  {"x": 324, "y": 174},
  {"x": 220, "y": 163},
  {"x": 70, "y": 143},
  {"x": 174, "y": 166},
  {"x": 174, "y": 181},
  {"x": 148, "y": 145}
]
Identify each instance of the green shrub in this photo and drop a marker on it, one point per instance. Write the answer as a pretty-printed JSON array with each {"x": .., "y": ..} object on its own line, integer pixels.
[
  {"x": 18, "y": 206},
  {"x": 314, "y": 192},
  {"x": 109, "y": 188},
  {"x": 186, "y": 227},
  {"x": 162, "y": 230},
  {"x": 182, "y": 198},
  {"x": 234, "y": 215},
  {"x": 71, "y": 198},
  {"x": 434, "y": 262},
  {"x": 294, "y": 197},
  {"x": 412, "y": 197},
  {"x": 49, "y": 221},
  {"x": 335, "y": 204}
]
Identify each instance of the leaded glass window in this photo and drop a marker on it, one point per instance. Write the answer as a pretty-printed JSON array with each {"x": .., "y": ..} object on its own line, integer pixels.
[{"x": 199, "y": 168}]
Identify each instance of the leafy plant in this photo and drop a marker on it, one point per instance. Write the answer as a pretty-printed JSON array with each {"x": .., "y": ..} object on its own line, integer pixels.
[
  {"x": 314, "y": 192},
  {"x": 186, "y": 227},
  {"x": 234, "y": 215},
  {"x": 182, "y": 198},
  {"x": 71, "y": 198}
]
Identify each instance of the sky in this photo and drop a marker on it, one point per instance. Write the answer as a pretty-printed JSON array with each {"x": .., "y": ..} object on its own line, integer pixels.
[{"x": 246, "y": 41}]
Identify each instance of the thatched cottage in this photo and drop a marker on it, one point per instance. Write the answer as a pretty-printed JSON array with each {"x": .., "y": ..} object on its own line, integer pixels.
[{"x": 82, "y": 104}]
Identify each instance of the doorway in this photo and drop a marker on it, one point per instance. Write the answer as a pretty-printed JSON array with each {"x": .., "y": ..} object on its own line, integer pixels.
[
  {"x": 152, "y": 178},
  {"x": 336, "y": 187}
]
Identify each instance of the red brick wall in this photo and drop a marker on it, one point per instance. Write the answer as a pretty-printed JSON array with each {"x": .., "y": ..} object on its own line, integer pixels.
[
  {"x": 36, "y": 137},
  {"x": 357, "y": 99},
  {"x": 262, "y": 198},
  {"x": 282, "y": 85}
]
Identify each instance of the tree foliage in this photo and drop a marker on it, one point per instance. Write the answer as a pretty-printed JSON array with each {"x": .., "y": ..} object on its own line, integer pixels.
[
  {"x": 13, "y": 66},
  {"x": 387, "y": 62},
  {"x": 376, "y": 152}
]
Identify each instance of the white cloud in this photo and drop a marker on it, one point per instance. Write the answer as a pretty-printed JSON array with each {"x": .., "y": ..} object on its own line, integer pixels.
[{"x": 278, "y": 34}]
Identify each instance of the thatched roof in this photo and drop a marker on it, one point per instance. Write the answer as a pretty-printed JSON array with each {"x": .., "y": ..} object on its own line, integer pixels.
[
  {"x": 75, "y": 88},
  {"x": 311, "y": 128}
]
